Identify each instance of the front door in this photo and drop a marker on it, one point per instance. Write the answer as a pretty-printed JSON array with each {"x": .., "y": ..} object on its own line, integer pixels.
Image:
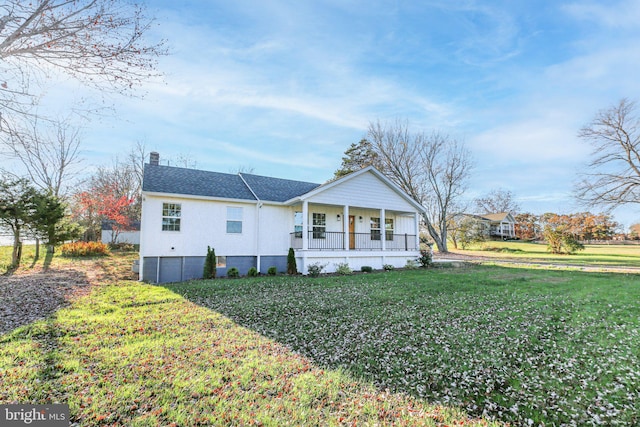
[{"x": 352, "y": 232}]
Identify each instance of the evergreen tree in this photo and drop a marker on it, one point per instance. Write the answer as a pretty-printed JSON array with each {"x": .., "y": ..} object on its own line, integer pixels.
[
  {"x": 292, "y": 268},
  {"x": 357, "y": 156},
  {"x": 210, "y": 269}
]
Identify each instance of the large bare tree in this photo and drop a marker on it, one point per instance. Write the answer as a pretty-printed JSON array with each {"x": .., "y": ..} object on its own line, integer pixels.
[
  {"x": 612, "y": 177},
  {"x": 497, "y": 201},
  {"x": 97, "y": 42},
  {"x": 49, "y": 152},
  {"x": 432, "y": 168}
]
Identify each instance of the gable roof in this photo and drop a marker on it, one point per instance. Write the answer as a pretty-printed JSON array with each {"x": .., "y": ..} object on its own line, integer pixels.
[
  {"x": 352, "y": 175},
  {"x": 501, "y": 216},
  {"x": 193, "y": 182}
]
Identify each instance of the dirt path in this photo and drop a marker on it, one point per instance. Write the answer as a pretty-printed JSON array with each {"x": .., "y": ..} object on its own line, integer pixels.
[{"x": 32, "y": 294}]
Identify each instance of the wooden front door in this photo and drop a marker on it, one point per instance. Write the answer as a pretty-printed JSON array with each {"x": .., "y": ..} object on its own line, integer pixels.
[{"x": 352, "y": 232}]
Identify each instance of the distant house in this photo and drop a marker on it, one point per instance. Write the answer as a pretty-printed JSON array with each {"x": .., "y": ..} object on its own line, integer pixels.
[
  {"x": 497, "y": 226},
  {"x": 362, "y": 219},
  {"x": 130, "y": 236}
]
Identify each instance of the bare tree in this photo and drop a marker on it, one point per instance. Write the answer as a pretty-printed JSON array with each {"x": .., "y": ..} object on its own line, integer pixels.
[
  {"x": 48, "y": 152},
  {"x": 97, "y": 42},
  {"x": 497, "y": 201},
  {"x": 613, "y": 174},
  {"x": 433, "y": 169}
]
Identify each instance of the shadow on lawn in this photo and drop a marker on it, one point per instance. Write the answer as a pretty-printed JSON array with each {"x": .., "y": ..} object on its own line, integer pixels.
[{"x": 25, "y": 298}]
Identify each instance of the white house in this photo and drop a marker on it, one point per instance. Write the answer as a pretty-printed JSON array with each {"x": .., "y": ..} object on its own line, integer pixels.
[
  {"x": 362, "y": 219},
  {"x": 501, "y": 225}
]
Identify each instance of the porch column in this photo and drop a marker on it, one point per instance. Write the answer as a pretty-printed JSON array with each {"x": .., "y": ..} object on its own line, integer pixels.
[
  {"x": 417, "y": 228},
  {"x": 383, "y": 230},
  {"x": 345, "y": 228},
  {"x": 305, "y": 225}
]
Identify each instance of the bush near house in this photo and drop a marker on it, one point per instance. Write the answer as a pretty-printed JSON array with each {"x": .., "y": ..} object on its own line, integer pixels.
[{"x": 233, "y": 272}]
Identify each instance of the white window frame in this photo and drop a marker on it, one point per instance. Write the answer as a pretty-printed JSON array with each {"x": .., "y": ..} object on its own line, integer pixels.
[
  {"x": 319, "y": 225},
  {"x": 375, "y": 228},
  {"x": 171, "y": 214},
  {"x": 234, "y": 217}
]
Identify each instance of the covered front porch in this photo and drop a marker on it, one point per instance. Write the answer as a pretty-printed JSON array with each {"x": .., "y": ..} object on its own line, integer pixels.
[{"x": 321, "y": 227}]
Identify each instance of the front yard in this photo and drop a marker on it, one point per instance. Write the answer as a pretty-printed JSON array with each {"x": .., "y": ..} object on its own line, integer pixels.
[
  {"x": 526, "y": 346},
  {"x": 517, "y": 345}
]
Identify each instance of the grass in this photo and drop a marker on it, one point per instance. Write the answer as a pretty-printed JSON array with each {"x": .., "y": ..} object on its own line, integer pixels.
[
  {"x": 593, "y": 255},
  {"x": 531, "y": 347},
  {"x": 132, "y": 354}
]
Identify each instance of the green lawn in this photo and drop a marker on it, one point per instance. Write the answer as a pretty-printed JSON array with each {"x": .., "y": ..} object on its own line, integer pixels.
[
  {"x": 132, "y": 354},
  {"x": 593, "y": 255},
  {"x": 553, "y": 347}
]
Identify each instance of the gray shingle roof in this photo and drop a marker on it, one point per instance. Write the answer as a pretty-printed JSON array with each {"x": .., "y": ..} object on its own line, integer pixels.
[{"x": 169, "y": 179}]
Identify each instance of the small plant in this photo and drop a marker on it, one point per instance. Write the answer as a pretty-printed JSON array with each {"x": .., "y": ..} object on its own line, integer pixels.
[
  {"x": 343, "y": 268},
  {"x": 253, "y": 272},
  {"x": 84, "y": 249},
  {"x": 210, "y": 263},
  {"x": 315, "y": 269},
  {"x": 233, "y": 273},
  {"x": 411, "y": 265},
  {"x": 292, "y": 268},
  {"x": 272, "y": 271},
  {"x": 366, "y": 269},
  {"x": 388, "y": 267},
  {"x": 122, "y": 246},
  {"x": 426, "y": 258}
]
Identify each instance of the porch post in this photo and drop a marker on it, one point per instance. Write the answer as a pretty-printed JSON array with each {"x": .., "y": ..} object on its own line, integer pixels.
[
  {"x": 305, "y": 225},
  {"x": 345, "y": 228},
  {"x": 383, "y": 230},
  {"x": 417, "y": 228}
]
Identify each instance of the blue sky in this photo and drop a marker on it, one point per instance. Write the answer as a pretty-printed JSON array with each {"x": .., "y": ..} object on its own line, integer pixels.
[{"x": 284, "y": 87}]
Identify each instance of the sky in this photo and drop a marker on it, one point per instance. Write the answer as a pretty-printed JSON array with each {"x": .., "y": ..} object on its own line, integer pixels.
[{"x": 283, "y": 88}]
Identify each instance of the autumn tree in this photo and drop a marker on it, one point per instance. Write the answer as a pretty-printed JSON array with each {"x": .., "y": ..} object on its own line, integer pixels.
[
  {"x": 432, "y": 168},
  {"x": 358, "y": 156},
  {"x": 496, "y": 201},
  {"x": 527, "y": 226},
  {"x": 102, "y": 204},
  {"x": 612, "y": 176}
]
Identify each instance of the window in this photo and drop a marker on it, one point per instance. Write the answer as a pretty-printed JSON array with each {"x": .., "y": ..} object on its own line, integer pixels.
[
  {"x": 234, "y": 220},
  {"x": 297, "y": 224},
  {"x": 319, "y": 225},
  {"x": 221, "y": 261},
  {"x": 388, "y": 226},
  {"x": 375, "y": 228},
  {"x": 171, "y": 216}
]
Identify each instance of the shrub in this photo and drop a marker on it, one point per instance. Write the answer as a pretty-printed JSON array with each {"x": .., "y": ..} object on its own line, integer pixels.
[
  {"x": 210, "y": 263},
  {"x": 411, "y": 264},
  {"x": 123, "y": 246},
  {"x": 233, "y": 273},
  {"x": 292, "y": 268},
  {"x": 366, "y": 269},
  {"x": 84, "y": 249},
  {"x": 343, "y": 268},
  {"x": 253, "y": 272},
  {"x": 388, "y": 267},
  {"x": 272, "y": 271},
  {"x": 426, "y": 258},
  {"x": 315, "y": 269}
]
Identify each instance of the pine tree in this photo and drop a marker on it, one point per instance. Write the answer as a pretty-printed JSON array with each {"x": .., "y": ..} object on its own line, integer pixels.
[
  {"x": 210, "y": 268},
  {"x": 292, "y": 268}
]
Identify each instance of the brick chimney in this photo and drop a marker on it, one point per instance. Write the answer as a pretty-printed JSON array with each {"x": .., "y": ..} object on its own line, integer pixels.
[{"x": 154, "y": 158}]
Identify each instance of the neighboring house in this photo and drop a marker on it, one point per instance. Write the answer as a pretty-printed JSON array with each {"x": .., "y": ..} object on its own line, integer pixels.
[
  {"x": 362, "y": 219},
  {"x": 501, "y": 225},
  {"x": 130, "y": 236}
]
